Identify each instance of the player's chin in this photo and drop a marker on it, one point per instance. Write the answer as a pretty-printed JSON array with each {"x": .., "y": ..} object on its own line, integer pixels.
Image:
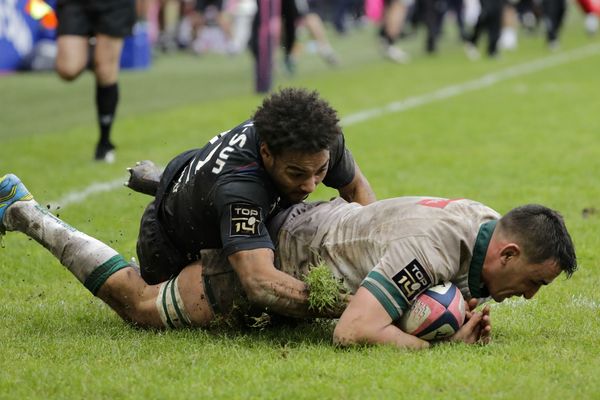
[
  {"x": 498, "y": 297},
  {"x": 297, "y": 197}
]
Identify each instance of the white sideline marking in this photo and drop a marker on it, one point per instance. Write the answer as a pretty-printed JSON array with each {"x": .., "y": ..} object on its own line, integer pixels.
[
  {"x": 79, "y": 196},
  {"x": 514, "y": 303},
  {"x": 576, "y": 301},
  {"x": 469, "y": 86},
  {"x": 581, "y": 301},
  {"x": 394, "y": 107}
]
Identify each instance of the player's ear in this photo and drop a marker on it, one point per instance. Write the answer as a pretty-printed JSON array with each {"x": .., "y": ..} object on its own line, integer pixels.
[
  {"x": 266, "y": 154},
  {"x": 508, "y": 252}
]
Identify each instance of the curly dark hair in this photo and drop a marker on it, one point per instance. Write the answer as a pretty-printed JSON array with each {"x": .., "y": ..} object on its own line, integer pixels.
[
  {"x": 297, "y": 120},
  {"x": 543, "y": 234}
]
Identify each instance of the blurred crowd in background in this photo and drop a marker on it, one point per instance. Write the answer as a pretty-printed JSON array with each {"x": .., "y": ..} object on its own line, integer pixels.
[
  {"x": 104, "y": 36},
  {"x": 229, "y": 26},
  {"x": 225, "y": 26}
]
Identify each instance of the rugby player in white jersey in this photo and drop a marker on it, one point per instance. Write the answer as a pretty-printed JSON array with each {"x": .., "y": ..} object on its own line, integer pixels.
[{"x": 385, "y": 253}]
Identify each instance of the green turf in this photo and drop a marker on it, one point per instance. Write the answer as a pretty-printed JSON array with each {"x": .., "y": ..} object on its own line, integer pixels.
[{"x": 531, "y": 138}]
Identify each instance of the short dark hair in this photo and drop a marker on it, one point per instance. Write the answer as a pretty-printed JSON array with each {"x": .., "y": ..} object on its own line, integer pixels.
[
  {"x": 542, "y": 234},
  {"x": 297, "y": 120}
]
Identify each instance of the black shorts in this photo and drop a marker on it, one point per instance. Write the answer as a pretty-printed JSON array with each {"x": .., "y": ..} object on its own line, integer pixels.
[
  {"x": 201, "y": 5},
  {"x": 89, "y": 17},
  {"x": 159, "y": 259}
]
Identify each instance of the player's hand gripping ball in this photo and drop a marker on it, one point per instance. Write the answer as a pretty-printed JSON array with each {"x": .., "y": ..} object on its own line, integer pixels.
[{"x": 435, "y": 314}]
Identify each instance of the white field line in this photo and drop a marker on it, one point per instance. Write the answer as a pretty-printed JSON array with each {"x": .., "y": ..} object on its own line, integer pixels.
[
  {"x": 469, "y": 86},
  {"x": 581, "y": 301},
  {"x": 80, "y": 196},
  {"x": 578, "y": 301},
  {"x": 394, "y": 107}
]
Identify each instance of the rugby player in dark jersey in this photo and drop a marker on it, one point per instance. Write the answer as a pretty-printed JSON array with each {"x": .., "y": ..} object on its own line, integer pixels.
[
  {"x": 366, "y": 247},
  {"x": 223, "y": 194}
]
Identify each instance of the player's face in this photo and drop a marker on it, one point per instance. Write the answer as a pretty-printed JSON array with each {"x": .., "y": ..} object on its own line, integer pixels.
[
  {"x": 296, "y": 175},
  {"x": 517, "y": 277}
]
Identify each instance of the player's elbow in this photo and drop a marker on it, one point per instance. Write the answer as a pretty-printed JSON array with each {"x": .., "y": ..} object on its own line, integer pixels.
[{"x": 348, "y": 333}]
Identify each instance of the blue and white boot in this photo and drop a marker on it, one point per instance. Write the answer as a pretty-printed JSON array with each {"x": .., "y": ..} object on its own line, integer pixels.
[{"x": 11, "y": 191}]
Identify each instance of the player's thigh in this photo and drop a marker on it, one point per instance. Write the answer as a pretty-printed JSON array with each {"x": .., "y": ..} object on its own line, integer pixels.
[
  {"x": 72, "y": 55},
  {"x": 107, "y": 57},
  {"x": 159, "y": 259}
]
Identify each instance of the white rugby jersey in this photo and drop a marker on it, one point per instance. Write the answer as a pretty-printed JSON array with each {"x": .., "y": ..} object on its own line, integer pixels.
[{"x": 395, "y": 248}]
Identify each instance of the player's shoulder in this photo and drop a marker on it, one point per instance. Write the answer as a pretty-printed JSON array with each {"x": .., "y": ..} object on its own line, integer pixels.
[{"x": 459, "y": 205}]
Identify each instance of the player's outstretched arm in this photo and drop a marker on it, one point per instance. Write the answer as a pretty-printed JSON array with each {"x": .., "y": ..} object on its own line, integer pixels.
[
  {"x": 365, "y": 321},
  {"x": 268, "y": 287}
]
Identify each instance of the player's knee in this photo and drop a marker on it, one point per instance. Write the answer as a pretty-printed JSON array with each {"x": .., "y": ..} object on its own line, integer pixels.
[
  {"x": 68, "y": 71},
  {"x": 142, "y": 314},
  {"x": 106, "y": 72}
]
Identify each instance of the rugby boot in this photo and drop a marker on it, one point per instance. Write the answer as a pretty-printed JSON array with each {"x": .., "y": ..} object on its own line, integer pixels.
[
  {"x": 105, "y": 152},
  {"x": 11, "y": 191},
  {"x": 144, "y": 177}
]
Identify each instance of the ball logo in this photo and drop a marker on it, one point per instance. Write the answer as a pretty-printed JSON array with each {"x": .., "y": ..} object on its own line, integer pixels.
[{"x": 245, "y": 220}]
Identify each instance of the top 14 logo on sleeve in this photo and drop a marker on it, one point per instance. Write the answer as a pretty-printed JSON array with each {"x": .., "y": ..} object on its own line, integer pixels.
[
  {"x": 245, "y": 220},
  {"x": 412, "y": 280}
]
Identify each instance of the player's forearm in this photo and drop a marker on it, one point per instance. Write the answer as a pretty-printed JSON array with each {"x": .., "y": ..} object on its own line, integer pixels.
[
  {"x": 269, "y": 287},
  {"x": 364, "y": 195},
  {"x": 390, "y": 334},
  {"x": 366, "y": 321},
  {"x": 286, "y": 295},
  {"x": 395, "y": 336},
  {"x": 359, "y": 190}
]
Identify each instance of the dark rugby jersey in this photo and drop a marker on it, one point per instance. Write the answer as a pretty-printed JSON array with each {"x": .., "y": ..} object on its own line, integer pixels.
[{"x": 223, "y": 196}]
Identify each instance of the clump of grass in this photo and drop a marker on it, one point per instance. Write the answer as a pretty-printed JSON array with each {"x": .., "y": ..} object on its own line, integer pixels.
[{"x": 324, "y": 290}]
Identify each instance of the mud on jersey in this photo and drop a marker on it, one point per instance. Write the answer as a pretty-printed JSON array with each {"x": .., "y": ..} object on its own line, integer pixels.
[
  {"x": 395, "y": 248},
  {"x": 223, "y": 196}
]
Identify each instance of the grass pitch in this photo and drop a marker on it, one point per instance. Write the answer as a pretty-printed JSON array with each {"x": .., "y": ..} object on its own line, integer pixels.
[{"x": 520, "y": 129}]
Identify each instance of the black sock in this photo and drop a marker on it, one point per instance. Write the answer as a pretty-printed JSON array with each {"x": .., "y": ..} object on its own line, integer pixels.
[
  {"x": 387, "y": 39},
  {"x": 107, "y": 98}
]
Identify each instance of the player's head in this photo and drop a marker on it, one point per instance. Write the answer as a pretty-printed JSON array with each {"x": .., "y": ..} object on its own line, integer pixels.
[
  {"x": 296, "y": 120},
  {"x": 531, "y": 246},
  {"x": 297, "y": 129}
]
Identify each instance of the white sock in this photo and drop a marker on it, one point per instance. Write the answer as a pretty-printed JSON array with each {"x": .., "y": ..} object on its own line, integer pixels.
[{"x": 90, "y": 260}]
